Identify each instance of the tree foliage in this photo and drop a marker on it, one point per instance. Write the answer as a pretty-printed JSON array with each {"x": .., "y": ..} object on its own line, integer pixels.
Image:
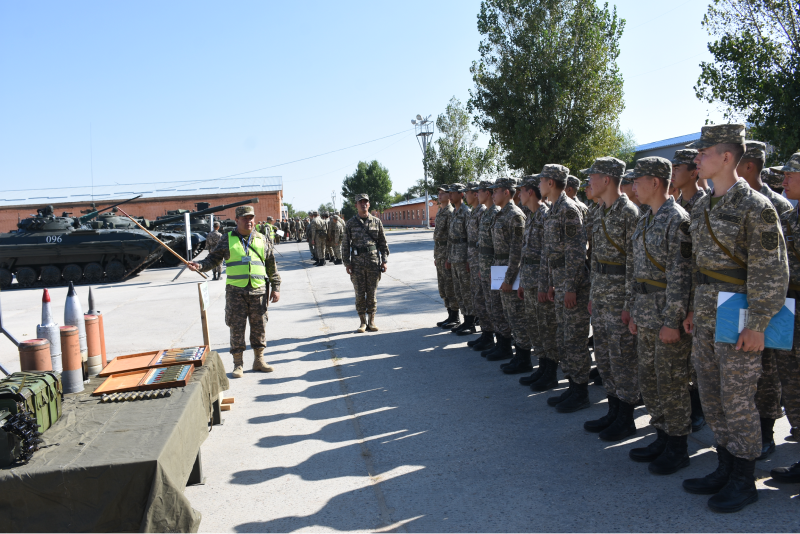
[
  {"x": 547, "y": 86},
  {"x": 755, "y": 69},
  {"x": 301, "y": 214},
  {"x": 371, "y": 178}
]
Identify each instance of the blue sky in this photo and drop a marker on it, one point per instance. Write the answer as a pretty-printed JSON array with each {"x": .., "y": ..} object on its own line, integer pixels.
[{"x": 200, "y": 90}]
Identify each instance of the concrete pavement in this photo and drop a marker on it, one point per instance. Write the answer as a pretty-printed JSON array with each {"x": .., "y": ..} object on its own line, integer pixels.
[{"x": 404, "y": 429}]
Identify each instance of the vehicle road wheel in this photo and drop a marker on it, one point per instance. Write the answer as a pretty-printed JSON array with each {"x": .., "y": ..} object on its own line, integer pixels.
[
  {"x": 26, "y": 276},
  {"x": 93, "y": 273},
  {"x": 5, "y": 278},
  {"x": 51, "y": 275},
  {"x": 115, "y": 271},
  {"x": 73, "y": 273}
]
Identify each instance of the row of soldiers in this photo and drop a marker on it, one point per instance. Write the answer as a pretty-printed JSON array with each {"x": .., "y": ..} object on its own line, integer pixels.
[
  {"x": 324, "y": 234},
  {"x": 644, "y": 267},
  {"x": 292, "y": 228}
]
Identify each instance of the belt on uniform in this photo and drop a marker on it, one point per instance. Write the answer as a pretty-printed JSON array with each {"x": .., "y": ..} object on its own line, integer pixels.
[
  {"x": 643, "y": 286},
  {"x": 721, "y": 276},
  {"x": 489, "y": 251},
  {"x": 472, "y": 245},
  {"x": 531, "y": 261},
  {"x": 558, "y": 262},
  {"x": 609, "y": 268},
  {"x": 365, "y": 250}
]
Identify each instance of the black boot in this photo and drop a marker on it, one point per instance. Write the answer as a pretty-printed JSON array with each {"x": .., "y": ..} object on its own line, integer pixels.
[
  {"x": 454, "y": 320},
  {"x": 789, "y": 474},
  {"x": 485, "y": 345},
  {"x": 767, "y": 439},
  {"x": 717, "y": 480},
  {"x": 558, "y": 399},
  {"x": 739, "y": 491},
  {"x": 652, "y": 451},
  {"x": 449, "y": 318},
  {"x": 549, "y": 377},
  {"x": 674, "y": 458},
  {"x": 503, "y": 350},
  {"x": 623, "y": 426},
  {"x": 528, "y": 380},
  {"x": 598, "y": 425},
  {"x": 473, "y": 342},
  {"x": 322, "y": 262},
  {"x": 698, "y": 418},
  {"x": 493, "y": 347},
  {"x": 520, "y": 364},
  {"x": 467, "y": 327},
  {"x": 579, "y": 399}
]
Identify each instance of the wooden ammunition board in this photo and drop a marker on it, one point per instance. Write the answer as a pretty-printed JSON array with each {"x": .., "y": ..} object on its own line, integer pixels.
[
  {"x": 148, "y": 360},
  {"x": 146, "y": 379}
]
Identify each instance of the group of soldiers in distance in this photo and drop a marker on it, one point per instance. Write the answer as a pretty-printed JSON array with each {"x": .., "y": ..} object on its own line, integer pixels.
[
  {"x": 323, "y": 232},
  {"x": 643, "y": 265}
]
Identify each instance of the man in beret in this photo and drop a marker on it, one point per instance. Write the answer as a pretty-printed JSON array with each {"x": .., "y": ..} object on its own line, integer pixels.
[
  {"x": 365, "y": 255},
  {"x": 659, "y": 280},
  {"x": 444, "y": 276},
  {"x": 614, "y": 345},
  {"x": 250, "y": 270},
  {"x": 737, "y": 248},
  {"x": 456, "y": 259}
]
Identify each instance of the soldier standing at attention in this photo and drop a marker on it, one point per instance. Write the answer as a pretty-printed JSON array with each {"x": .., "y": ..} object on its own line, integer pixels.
[
  {"x": 564, "y": 280},
  {"x": 212, "y": 241},
  {"x": 626, "y": 186},
  {"x": 365, "y": 254},
  {"x": 737, "y": 247},
  {"x": 292, "y": 228},
  {"x": 659, "y": 281},
  {"x": 335, "y": 231},
  {"x": 444, "y": 276},
  {"x": 788, "y": 361},
  {"x": 614, "y": 345},
  {"x": 319, "y": 237},
  {"x": 456, "y": 260},
  {"x": 485, "y": 259},
  {"x": 768, "y": 391},
  {"x": 473, "y": 262},
  {"x": 309, "y": 231},
  {"x": 251, "y": 268},
  {"x": 573, "y": 185}
]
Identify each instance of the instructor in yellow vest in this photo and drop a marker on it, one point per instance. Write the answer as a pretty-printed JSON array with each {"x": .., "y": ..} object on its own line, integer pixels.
[{"x": 250, "y": 269}]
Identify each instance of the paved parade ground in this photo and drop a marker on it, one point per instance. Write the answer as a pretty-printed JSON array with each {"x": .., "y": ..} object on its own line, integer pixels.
[{"x": 400, "y": 430}]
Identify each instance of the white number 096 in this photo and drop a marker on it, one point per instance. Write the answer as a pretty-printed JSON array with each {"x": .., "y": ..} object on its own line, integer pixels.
[{"x": 53, "y": 239}]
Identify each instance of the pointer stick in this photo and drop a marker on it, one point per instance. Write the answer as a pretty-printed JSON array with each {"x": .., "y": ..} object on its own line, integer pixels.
[{"x": 162, "y": 243}]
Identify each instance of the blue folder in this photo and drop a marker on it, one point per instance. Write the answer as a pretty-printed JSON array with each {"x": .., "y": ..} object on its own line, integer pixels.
[{"x": 732, "y": 315}]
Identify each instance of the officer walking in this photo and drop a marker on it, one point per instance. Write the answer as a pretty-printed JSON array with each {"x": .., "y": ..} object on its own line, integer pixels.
[{"x": 250, "y": 270}]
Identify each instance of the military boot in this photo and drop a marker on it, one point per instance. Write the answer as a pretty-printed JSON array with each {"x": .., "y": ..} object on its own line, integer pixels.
[
  {"x": 363, "y": 327},
  {"x": 238, "y": 366},
  {"x": 520, "y": 364},
  {"x": 467, "y": 327},
  {"x": 652, "y": 451},
  {"x": 623, "y": 426},
  {"x": 371, "y": 326},
  {"x": 495, "y": 347},
  {"x": 528, "y": 380},
  {"x": 767, "y": 438},
  {"x": 698, "y": 417},
  {"x": 740, "y": 489},
  {"x": 486, "y": 345},
  {"x": 549, "y": 378},
  {"x": 579, "y": 400},
  {"x": 454, "y": 320},
  {"x": 449, "y": 318},
  {"x": 473, "y": 342},
  {"x": 558, "y": 399},
  {"x": 717, "y": 480},
  {"x": 598, "y": 425},
  {"x": 503, "y": 350},
  {"x": 322, "y": 262},
  {"x": 674, "y": 458},
  {"x": 259, "y": 364},
  {"x": 789, "y": 474}
]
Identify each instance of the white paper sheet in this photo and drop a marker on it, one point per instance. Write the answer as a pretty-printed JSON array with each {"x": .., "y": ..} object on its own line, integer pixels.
[{"x": 499, "y": 276}]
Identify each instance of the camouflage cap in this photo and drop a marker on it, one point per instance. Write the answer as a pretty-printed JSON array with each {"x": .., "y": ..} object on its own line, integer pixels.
[
  {"x": 505, "y": 183},
  {"x": 573, "y": 181},
  {"x": 653, "y": 166},
  {"x": 242, "y": 211},
  {"x": 457, "y": 188},
  {"x": 773, "y": 177},
  {"x": 684, "y": 155},
  {"x": 584, "y": 172},
  {"x": 627, "y": 178},
  {"x": 485, "y": 184},
  {"x": 531, "y": 180},
  {"x": 473, "y": 186},
  {"x": 445, "y": 188},
  {"x": 793, "y": 165},
  {"x": 553, "y": 171},
  {"x": 362, "y": 196},
  {"x": 269, "y": 218},
  {"x": 755, "y": 150},
  {"x": 609, "y": 166},
  {"x": 717, "y": 134}
]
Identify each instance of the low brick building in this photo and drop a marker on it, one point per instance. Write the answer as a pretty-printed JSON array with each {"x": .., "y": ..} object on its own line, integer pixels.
[
  {"x": 409, "y": 213},
  {"x": 156, "y": 200}
]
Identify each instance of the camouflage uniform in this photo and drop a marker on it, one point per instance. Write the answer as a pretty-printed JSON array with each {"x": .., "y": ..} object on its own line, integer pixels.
[
  {"x": 746, "y": 224},
  {"x": 319, "y": 234},
  {"x": 486, "y": 257},
  {"x": 292, "y": 228},
  {"x": 473, "y": 258},
  {"x": 309, "y": 238},
  {"x": 564, "y": 268},
  {"x": 540, "y": 317},
  {"x": 246, "y": 303},
  {"x": 335, "y": 231},
  {"x": 364, "y": 249},
  {"x": 457, "y": 256},
  {"x": 212, "y": 241},
  {"x": 444, "y": 276},
  {"x": 507, "y": 235},
  {"x": 658, "y": 289}
]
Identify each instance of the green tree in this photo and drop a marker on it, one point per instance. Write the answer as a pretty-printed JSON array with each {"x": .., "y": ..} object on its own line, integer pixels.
[
  {"x": 547, "y": 86},
  {"x": 301, "y": 214},
  {"x": 371, "y": 178},
  {"x": 755, "y": 69},
  {"x": 327, "y": 207},
  {"x": 453, "y": 158},
  {"x": 290, "y": 208}
]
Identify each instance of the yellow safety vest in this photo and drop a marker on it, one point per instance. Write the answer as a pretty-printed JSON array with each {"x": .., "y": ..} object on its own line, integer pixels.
[{"x": 240, "y": 272}]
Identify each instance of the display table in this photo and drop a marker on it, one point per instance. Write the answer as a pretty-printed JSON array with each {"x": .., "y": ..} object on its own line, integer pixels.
[{"x": 111, "y": 467}]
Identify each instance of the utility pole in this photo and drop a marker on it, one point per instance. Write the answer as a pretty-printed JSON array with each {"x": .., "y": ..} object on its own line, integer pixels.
[
  {"x": 424, "y": 129},
  {"x": 333, "y": 198}
]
